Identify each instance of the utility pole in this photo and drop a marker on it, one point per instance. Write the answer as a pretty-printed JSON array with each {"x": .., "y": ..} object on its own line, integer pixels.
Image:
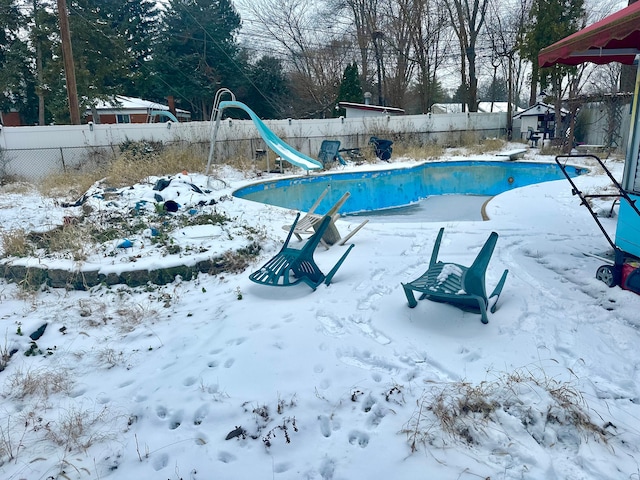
[{"x": 67, "y": 56}]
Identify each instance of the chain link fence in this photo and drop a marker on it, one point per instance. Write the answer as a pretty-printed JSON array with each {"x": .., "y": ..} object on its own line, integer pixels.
[{"x": 238, "y": 143}]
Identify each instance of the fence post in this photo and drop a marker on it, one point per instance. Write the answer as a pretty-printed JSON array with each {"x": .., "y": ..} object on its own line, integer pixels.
[{"x": 64, "y": 167}]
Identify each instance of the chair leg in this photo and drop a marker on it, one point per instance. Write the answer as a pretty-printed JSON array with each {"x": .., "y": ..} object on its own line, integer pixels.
[
  {"x": 312, "y": 284},
  {"x": 353, "y": 232},
  {"x": 483, "y": 310},
  {"x": 498, "y": 290},
  {"x": 408, "y": 291},
  {"x": 335, "y": 268}
]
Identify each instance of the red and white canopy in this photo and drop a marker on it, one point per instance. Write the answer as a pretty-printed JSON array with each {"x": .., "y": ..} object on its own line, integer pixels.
[{"x": 615, "y": 38}]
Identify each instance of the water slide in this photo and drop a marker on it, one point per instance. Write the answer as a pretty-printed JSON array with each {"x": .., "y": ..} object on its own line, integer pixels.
[{"x": 275, "y": 143}]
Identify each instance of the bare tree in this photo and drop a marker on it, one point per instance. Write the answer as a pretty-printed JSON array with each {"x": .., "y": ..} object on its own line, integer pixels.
[
  {"x": 370, "y": 33},
  {"x": 506, "y": 29},
  {"x": 397, "y": 18},
  {"x": 467, "y": 18},
  {"x": 429, "y": 35},
  {"x": 316, "y": 59}
]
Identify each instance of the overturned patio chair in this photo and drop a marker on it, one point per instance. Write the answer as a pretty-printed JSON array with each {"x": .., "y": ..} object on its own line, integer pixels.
[
  {"x": 292, "y": 266},
  {"x": 456, "y": 284},
  {"x": 330, "y": 152},
  {"x": 308, "y": 225}
]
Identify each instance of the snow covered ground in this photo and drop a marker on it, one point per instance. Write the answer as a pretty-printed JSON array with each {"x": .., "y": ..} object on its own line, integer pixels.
[{"x": 218, "y": 377}]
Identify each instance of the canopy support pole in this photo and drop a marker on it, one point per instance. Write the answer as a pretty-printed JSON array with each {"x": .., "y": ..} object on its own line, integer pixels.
[{"x": 631, "y": 176}]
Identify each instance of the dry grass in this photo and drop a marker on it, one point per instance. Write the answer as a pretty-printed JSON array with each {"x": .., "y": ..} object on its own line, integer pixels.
[
  {"x": 68, "y": 185},
  {"x": 487, "y": 145},
  {"x": 15, "y": 243},
  {"x": 464, "y": 412},
  {"x": 430, "y": 151},
  {"x": 78, "y": 429},
  {"x": 70, "y": 238},
  {"x": 138, "y": 161},
  {"x": 18, "y": 187},
  {"x": 40, "y": 383},
  {"x": 133, "y": 166},
  {"x": 5, "y": 352},
  {"x": 250, "y": 167}
]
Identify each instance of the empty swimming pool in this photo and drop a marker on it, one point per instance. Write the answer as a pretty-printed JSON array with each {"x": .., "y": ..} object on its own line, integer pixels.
[{"x": 388, "y": 189}]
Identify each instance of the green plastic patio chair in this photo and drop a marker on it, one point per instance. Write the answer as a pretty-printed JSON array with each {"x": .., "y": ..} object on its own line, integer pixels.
[
  {"x": 330, "y": 152},
  {"x": 456, "y": 284},
  {"x": 292, "y": 266}
]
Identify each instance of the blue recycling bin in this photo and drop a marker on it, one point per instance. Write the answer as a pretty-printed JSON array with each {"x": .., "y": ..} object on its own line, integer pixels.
[{"x": 383, "y": 148}]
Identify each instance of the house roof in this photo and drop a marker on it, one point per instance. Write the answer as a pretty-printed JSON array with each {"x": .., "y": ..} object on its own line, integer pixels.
[
  {"x": 539, "y": 109},
  {"x": 132, "y": 103},
  {"x": 371, "y": 108},
  {"x": 483, "y": 107}
]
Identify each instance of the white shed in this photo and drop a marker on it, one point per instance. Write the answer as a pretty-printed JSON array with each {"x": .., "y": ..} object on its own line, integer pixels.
[
  {"x": 539, "y": 120},
  {"x": 366, "y": 110}
]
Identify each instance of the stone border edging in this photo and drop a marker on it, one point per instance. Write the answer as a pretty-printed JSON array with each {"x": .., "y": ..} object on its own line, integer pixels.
[{"x": 77, "y": 280}]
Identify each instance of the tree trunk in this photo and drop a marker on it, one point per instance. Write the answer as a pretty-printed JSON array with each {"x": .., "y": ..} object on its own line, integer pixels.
[{"x": 510, "y": 100}]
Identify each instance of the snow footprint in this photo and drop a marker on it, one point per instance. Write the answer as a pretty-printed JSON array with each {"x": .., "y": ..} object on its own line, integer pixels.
[
  {"x": 356, "y": 437},
  {"x": 325, "y": 426},
  {"x": 327, "y": 469},
  {"x": 176, "y": 420},
  {"x": 187, "y": 382},
  {"x": 368, "y": 330},
  {"x": 226, "y": 457},
  {"x": 161, "y": 412},
  {"x": 200, "y": 414},
  {"x": 371, "y": 299},
  {"x": 367, "y": 361},
  {"x": 160, "y": 462},
  {"x": 331, "y": 326}
]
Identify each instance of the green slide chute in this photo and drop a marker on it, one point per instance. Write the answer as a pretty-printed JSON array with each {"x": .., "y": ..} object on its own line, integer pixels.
[{"x": 275, "y": 143}]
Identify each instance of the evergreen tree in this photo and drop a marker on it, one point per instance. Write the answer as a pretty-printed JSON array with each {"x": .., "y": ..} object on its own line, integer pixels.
[
  {"x": 268, "y": 88},
  {"x": 350, "y": 88},
  {"x": 552, "y": 20},
  {"x": 197, "y": 53},
  {"x": 16, "y": 80},
  {"x": 101, "y": 58},
  {"x": 136, "y": 22},
  {"x": 44, "y": 37},
  {"x": 494, "y": 91}
]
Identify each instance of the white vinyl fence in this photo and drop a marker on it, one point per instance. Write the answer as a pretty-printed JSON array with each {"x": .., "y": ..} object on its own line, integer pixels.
[{"x": 35, "y": 152}]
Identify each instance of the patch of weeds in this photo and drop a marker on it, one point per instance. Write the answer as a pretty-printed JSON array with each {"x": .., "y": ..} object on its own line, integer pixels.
[
  {"x": 206, "y": 219},
  {"x": 6, "y": 352},
  {"x": 141, "y": 148},
  {"x": 109, "y": 357},
  {"x": 40, "y": 383},
  {"x": 464, "y": 412},
  {"x": 77, "y": 429},
  {"x": 487, "y": 145},
  {"x": 287, "y": 423},
  {"x": 394, "y": 395},
  {"x": 15, "y": 243},
  {"x": 355, "y": 394},
  {"x": 262, "y": 419}
]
